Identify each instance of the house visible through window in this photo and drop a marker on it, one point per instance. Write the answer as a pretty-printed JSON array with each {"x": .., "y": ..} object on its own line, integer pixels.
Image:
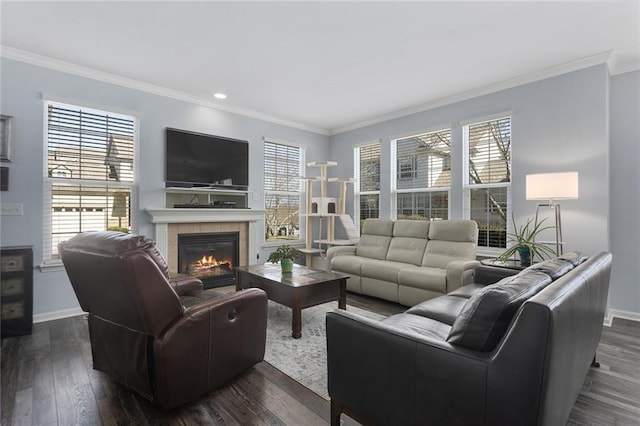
[
  {"x": 89, "y": 173},
  {"x": 367, "y": 188},
  {"x": 282, "y": 171},
  {"x": 423, "y": 175},
  {"x": 488, "y": 153}
]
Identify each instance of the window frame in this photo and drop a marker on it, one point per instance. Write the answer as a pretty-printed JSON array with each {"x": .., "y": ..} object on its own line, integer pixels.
[
  {"x": 300, "y": 193},
  {"x": 468, "y": 186},
  {"x": 50, "y": 257},
  {"x": 358, "y": 193}
]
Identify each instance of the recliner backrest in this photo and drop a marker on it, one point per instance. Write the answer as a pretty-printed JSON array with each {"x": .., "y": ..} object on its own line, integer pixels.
[
  {"x": 450, "y": 240},
  {"x": 118, "y": 277},
  {"x": 409, "y": 241},
  {"x": 375, "y": 238}
]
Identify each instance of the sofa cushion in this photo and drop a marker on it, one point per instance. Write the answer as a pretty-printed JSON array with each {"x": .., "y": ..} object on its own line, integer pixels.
[
  {"x": 434, "y": 279},
  {"x": 555, "y": 268},
  {"x": 488, "y": 313},
  {"x": 439, "y": 254},
  {"x": 411, "y": 228},
  {"x": 574, "y": 257},
  {"x": 349, "y": 264},
  {"x": 407, "y": 250},
  {"x": 386, "y": 271},
  {"x": 444, "y": 308},
  {"x": 373, "y": 246},
  {"x": 465, "y": 231},
  {"x": 466, "y": 291},
  {"x": 420, "y": 325}
]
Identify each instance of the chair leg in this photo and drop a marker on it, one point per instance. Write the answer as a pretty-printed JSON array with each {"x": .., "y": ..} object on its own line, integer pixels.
[
  {"x": 594, "y": 363},
  {"x": 336, "y": 411}
]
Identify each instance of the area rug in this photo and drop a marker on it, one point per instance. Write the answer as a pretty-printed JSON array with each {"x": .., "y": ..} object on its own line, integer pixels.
[{"x": 304, "y": 359}]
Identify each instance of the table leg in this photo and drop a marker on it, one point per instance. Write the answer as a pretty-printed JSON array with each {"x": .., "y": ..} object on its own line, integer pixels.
[
  {"x": 342, "y": 301},
  {"x": 296, "y": 326}
]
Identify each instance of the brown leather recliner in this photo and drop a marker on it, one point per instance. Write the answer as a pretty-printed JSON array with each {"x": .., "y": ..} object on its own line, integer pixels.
[{"x": 167, "y": 339}]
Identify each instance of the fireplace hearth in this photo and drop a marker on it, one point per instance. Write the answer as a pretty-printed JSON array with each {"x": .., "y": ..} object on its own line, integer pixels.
[{"x": 211, "y": 257}]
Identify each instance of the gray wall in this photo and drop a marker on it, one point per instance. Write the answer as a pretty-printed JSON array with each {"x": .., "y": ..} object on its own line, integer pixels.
[
  {"x": 625, "y": 192},
  {"x": 23, "y": 86},
  {"x": 558, "y": 124}
]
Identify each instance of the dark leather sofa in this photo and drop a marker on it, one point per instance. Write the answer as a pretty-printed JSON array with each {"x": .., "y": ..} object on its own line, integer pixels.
[
  {"x": 511, "y": 353},
  {"x": 163, "y": 337}
]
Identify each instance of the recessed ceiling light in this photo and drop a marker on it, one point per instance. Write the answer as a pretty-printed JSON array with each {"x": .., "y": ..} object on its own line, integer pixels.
[{"x": 220, "y": 96}]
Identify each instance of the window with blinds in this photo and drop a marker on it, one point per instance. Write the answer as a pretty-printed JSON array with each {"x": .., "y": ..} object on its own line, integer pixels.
[
  {"x": 89, "y": 173},
  {"x": 367, "y": 166},
  {"x": 423, "y": 175},
  {"x": 488, "y": 153},
  {"x": 282, "y": 171}
]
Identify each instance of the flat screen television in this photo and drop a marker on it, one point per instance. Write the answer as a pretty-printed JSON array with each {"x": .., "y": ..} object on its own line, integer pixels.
[{"x": 199, "y": 160}]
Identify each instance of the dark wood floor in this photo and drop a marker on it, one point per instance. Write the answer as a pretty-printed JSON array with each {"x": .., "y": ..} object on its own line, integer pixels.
[{"x": 47, "y": 379}]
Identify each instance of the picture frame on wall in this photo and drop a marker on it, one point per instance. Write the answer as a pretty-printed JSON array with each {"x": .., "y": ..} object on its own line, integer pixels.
[{"x": 6, "y": 135}]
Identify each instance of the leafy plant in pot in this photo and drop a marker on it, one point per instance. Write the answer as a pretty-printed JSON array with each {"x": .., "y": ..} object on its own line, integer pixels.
[
  {"x": 523, "y": 241},
  {"x": 285, "y": 254}
]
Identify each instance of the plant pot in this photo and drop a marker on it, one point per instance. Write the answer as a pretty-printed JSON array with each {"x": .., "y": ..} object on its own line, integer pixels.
[
  {"x": 286, "y": 265},
  {"x": 525, "y": 256}
]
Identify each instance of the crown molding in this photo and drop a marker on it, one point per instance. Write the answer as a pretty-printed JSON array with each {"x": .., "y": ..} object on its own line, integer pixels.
[
  {"x": 576, "y": 65},
  {"x": 105, "y": 77}
]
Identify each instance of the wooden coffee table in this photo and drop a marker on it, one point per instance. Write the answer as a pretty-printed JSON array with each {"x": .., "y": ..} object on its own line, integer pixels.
[{"x": 300, "y": 289}]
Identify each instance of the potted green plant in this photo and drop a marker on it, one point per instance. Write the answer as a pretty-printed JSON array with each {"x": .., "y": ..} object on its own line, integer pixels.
[
  {"x": 523, "y": 241},
  {"x": 285, "y": 254}
]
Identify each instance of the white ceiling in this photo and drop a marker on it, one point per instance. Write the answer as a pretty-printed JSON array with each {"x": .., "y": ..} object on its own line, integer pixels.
[{"x": 325, "y": 66}]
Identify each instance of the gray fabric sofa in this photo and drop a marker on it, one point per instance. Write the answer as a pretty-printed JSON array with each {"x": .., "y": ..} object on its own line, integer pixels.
[
  {"x": 512, "y": 352},
  {"x": 408, "y": 261}
]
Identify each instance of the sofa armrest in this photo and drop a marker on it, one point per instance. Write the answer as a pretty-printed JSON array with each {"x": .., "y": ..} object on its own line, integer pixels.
[
  {"x": 491, "y": 274},
  {"x": 184, "y": 284},
  {"x": 210, "y": 344},
  {"x": 339, "y": 251},
  {"x": 394, "y": 376},
  {"x": 459, "y": 273}
]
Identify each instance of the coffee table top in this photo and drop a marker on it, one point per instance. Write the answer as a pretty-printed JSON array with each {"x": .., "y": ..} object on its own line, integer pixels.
[{"x": 300, "y": 277}]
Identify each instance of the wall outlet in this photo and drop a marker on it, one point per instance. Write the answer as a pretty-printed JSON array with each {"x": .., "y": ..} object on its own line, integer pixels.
[{"x": 11, "y": 209}]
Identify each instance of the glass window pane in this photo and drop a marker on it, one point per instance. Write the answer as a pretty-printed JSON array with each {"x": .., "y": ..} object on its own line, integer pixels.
[{"x": 489, "y": 210}]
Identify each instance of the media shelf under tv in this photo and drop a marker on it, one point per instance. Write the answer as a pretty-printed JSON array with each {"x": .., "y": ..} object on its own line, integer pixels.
[{"x": 205, "y": 197}]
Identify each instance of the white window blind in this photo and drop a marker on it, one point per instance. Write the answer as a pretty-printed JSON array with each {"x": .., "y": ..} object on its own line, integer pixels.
[
  {"x": 368, "y": 173},
  {"x": 428, "y": 156},
  {"x": 423, "y": 175},
  {"x": 282, "y": 171},
  {"x": 488, "y": 151},
  {"x": 90, "y": 173}
]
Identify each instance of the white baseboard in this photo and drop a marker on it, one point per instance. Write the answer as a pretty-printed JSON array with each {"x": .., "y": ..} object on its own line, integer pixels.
[
  {"x": 55, "y": 315},
  {"x": 616, "y": 313}
]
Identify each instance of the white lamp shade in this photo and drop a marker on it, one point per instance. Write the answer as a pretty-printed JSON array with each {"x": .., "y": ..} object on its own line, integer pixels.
[{"x": 552, "y": 186}]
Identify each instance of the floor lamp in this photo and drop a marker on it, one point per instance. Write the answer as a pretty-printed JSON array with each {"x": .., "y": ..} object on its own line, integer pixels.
[{"x": 552, "y": 187}]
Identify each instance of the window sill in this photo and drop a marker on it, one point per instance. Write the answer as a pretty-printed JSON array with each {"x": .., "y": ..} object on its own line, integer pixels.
[{"x": 51, "y": 266}]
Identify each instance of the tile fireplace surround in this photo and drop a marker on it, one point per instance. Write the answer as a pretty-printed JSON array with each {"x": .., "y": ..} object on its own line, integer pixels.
[{"x": 171, "y": 222}]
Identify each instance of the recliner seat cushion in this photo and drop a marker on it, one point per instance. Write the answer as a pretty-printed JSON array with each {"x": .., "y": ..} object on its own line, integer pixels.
[
  {"x": 488, "y": 313},
  {"x": 434, "y": 279}
]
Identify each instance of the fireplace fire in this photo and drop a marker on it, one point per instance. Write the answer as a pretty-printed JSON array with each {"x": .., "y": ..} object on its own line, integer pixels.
[{"x": 209, "y": 257}]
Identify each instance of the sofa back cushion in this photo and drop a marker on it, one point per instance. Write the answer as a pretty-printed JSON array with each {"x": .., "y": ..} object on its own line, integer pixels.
[
  {"x": 409, "y": 241},
  {"x": 450, "y": 240},
  {"x": 375, "y": 238},
  {"x": 487, "y": 314},
  {"x": 555, "y": 268},
  {"x": 574, "y": 257}
]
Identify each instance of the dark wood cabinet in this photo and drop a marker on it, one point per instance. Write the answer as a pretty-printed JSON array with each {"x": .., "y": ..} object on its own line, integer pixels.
[{"x": 16, "y": 290}]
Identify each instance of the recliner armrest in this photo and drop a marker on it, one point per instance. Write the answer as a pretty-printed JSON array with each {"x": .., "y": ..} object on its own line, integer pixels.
[
  {"x": 228, "y": 333},
  {"x": 184, "y": 284},
  {"x": 459, "y": 273}
]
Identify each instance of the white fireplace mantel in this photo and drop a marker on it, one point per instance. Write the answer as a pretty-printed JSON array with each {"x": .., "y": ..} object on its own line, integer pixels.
[{"x": 162, "y": 217}]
